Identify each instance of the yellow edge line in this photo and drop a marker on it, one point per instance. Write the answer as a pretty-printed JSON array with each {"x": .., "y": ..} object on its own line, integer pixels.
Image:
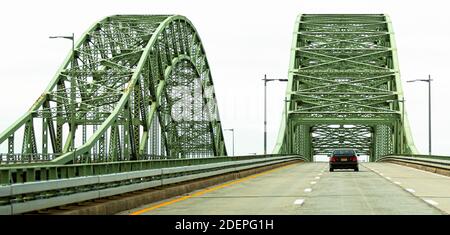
[{"x": 206, "y": 191}]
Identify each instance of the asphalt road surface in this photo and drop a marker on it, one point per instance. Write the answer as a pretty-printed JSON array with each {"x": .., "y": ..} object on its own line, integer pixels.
[{"x": 309, "y": 189}]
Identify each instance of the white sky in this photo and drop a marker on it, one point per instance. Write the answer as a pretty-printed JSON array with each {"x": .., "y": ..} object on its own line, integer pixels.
[{"x": 243, "y": 40}]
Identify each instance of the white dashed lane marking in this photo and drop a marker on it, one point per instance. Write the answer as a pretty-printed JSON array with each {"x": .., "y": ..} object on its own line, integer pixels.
[
  {"x": 308, "y": 190},
  {"x": 429, "y": 201},
  {"x": 313, "y": 182},
  {"x": 410, "y": 190},
  {"x": 299, "y": 202}
]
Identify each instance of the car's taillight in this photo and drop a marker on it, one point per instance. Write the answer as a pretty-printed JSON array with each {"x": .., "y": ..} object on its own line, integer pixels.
[
  {"x": 354, "y": 159},
  {"x": 333, "y": 159}
]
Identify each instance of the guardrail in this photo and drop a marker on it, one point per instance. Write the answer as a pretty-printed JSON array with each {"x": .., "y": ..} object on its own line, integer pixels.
[
  {"x": 438, "y": 157},
  {"x": 41, "y": 172},
  {"x": 106, "y": 180},
  {"x": 440, "y": 164},
  {"x": 417, "y": 157}
]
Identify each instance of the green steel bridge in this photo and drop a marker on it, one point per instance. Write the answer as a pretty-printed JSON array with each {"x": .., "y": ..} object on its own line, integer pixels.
[
  {"x": 344, "y": 88},
  {"x": 133, "y": 107},
  {"x": 133, "y": 88}
]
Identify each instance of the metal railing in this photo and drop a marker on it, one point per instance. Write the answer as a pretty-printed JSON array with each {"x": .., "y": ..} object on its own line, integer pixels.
[
  {"x": 76, "y": 183},
  {"x": 19, "y": 158},
  {"x": 11, "y": 159},
  {"x": 41, "y": 172},
  {"x": 441, "y": 162},
  {"x": 416, "y": 156}
]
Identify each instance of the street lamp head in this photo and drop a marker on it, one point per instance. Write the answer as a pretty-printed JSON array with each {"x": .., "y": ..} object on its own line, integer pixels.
[
  {"x": 280, "y": 80},
  {"x": 65, "y": 37},
  {"x": 420, "y": 80},
  {"x": 392, "y": 101}
]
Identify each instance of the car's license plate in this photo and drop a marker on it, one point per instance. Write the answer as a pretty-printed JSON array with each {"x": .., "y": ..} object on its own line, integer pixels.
[{"x": 344, "y": 159}]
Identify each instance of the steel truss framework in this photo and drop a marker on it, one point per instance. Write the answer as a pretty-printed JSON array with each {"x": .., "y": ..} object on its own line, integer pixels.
[
  {"x": 344, "y": 88},
  {"x": 137, "y": 86}
]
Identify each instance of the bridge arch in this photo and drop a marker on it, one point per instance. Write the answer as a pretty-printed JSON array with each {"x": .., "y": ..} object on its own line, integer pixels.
[
  {"x": 108, "y": 101},
  {"x": 344, "y": 88}
]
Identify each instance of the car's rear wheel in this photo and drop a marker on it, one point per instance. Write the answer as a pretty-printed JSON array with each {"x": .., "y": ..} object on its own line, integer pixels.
[
  {"x": 356, "y": 169},
  {"x": 331, "y": 169}
]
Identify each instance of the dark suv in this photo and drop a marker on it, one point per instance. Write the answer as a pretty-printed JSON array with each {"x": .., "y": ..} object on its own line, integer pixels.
[{"x": 344, "y": 159}]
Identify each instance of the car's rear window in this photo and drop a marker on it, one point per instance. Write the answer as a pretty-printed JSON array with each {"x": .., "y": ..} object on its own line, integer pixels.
[{"x": 343, "y": 152}]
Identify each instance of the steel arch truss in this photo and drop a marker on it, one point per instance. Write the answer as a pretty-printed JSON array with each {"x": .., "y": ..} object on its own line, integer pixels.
[
  {"x": 136, "y": 87},
  {"x": 344, "y": 88}
]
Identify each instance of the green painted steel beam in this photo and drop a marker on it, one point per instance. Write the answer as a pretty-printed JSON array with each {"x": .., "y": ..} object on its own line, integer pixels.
[{"x": 344, "y": 88}]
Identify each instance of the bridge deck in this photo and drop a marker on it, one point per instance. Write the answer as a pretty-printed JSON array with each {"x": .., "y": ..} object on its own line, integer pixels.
[{"x": 285, "y": 191}]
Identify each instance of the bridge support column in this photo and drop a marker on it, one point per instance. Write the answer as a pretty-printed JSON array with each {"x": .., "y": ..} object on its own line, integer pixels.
[
  {"x": 383, "y": 141},
  {"x": 301, "y": 137}
]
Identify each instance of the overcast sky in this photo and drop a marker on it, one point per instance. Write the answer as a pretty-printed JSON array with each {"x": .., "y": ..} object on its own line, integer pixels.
[{"x": 243, "y": 41}]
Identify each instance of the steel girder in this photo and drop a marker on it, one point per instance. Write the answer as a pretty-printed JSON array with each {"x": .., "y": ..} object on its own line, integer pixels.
[
  {"x": 344, "y": 88},
  {"x": 136, "y": 86}
]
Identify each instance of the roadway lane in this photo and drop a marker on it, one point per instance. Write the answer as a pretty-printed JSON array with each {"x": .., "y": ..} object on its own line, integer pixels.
[
  {"x": 305, "y": 188},
  {"x": 430, "y": 187}
]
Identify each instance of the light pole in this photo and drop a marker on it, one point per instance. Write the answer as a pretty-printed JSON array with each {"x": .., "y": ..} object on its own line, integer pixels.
[
  {"x": 232, "y": 130},
  {"x": 72, "y": 89},
  {"x": 265, "y": 108},
  {"x": 429, "y": 108}
]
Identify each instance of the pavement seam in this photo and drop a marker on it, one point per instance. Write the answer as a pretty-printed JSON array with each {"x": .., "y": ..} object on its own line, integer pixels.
[{"x": 372, "y": 211}]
